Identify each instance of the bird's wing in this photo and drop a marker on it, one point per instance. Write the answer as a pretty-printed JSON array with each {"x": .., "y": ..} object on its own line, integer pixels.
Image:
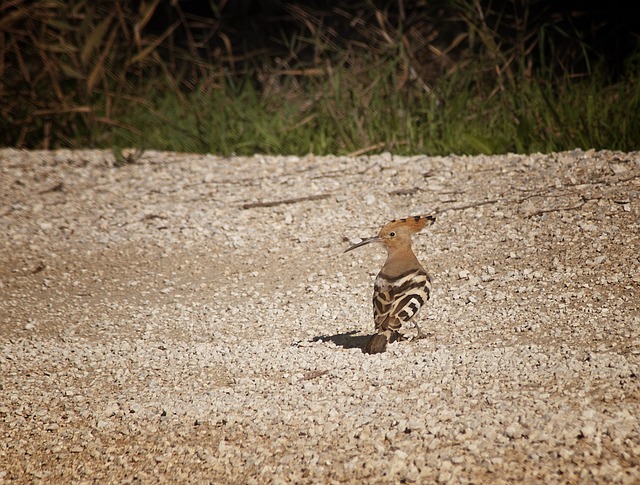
[{"x": 398, "y": 300}]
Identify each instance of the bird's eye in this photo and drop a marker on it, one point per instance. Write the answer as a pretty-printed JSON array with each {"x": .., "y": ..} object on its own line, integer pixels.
[{"x": 392, "y": 234}]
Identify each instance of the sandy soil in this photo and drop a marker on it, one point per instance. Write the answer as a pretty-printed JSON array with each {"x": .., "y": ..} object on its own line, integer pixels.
[{"x": 192, "y": 318}]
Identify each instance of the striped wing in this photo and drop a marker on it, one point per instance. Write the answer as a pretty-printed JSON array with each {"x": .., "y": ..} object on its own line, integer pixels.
[{"x": 397, "y": 300}]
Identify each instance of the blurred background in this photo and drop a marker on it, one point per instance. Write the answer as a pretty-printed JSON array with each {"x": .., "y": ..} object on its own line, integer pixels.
[{"x": 344, "y": 77}]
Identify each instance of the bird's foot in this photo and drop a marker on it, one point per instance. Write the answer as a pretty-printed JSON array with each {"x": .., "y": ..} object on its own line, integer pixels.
[
  {"x": 397, "y": 337},
  {"x": 420, "y": 335}
]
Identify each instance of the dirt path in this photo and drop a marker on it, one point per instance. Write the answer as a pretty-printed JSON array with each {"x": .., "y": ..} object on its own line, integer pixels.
[{"x": 192, "y": 318}]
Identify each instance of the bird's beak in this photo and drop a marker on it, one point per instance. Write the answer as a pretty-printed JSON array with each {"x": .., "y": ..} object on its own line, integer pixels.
[{"x": 363, "y": 242}]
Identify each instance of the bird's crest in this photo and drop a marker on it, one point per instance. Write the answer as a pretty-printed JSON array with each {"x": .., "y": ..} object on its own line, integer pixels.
[{"x": 413, "y": 224}]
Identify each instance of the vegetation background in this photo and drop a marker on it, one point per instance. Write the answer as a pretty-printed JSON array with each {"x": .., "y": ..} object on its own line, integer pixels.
[{"x": 344, "y": 77}]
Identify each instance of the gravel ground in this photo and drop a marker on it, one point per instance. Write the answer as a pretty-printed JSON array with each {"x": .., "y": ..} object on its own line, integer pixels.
[{"x": 192, "y": 318}]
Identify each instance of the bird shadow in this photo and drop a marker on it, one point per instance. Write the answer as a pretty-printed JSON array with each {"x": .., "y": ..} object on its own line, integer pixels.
[{"x": 347, "y": 340}]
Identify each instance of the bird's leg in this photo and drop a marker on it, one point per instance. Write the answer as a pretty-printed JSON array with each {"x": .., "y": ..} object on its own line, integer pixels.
[{"x": 420, "y": 334}]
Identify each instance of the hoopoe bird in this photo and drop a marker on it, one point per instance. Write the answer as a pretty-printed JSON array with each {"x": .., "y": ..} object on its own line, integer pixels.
[{"x": 402, "y": 286}]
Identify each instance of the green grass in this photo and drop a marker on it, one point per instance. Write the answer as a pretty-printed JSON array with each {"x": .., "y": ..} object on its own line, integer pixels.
[
  {"x": 346, "y": 112},
  {"x": 332, "y": 81}
]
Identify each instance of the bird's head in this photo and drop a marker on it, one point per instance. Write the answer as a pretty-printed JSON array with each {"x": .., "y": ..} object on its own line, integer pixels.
[{"x": 397, "y": 233}]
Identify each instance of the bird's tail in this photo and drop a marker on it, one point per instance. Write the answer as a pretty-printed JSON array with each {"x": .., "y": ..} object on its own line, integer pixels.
[{"x": 376, "y": 344}]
